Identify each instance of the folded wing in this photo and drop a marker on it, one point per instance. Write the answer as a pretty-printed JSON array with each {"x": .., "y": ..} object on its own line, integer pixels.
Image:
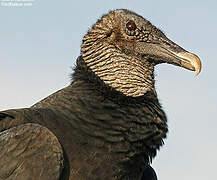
[{"x": 30, "y": 151}]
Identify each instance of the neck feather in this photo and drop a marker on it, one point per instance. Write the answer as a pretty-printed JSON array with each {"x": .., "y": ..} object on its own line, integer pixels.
[{"x": 128, "y": 127}]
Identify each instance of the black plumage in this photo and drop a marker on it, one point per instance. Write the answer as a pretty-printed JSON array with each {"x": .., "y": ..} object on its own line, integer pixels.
[{"x": 108, "y": 123}]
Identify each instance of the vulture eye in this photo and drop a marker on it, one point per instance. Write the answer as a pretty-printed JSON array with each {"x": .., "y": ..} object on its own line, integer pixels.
[{"x": 131, "y": 27}]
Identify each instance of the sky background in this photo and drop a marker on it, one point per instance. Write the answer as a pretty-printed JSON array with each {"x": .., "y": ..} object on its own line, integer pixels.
[{"x": 40, "y": 43}]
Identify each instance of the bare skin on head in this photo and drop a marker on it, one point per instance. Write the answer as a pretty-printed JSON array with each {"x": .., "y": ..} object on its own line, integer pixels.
[{"x": 122, "y": 49}]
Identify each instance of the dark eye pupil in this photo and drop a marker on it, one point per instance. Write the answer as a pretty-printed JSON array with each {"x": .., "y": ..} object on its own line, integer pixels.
[{"x": 131, "y": 26}]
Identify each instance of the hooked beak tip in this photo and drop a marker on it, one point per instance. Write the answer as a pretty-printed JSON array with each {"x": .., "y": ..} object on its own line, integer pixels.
[{"x": 191, "y": 61}]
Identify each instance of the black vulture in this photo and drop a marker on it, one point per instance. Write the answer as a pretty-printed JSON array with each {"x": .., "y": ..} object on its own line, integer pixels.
[{"x": 108, "y": 123}]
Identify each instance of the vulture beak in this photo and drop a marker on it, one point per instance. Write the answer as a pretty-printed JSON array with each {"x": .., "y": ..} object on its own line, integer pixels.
[
  {"x": 174, "y": 54},
  {"x": 165, "y": 51},
  {"x": 189, "y": 61},
  {"x": 179, "y": 56}
]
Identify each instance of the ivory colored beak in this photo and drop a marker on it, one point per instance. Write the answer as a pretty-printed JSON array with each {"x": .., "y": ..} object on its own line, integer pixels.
[{"x": 191, "y": 61}]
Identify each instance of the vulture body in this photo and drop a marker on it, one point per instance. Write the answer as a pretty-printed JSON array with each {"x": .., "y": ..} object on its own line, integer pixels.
[{"x": 108, "y": 123}]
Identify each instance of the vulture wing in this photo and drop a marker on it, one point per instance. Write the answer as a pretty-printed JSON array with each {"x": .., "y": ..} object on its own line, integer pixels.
[{"x": 30, "y": 151}]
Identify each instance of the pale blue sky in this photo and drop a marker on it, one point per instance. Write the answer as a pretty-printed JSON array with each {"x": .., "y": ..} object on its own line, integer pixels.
[{"x": 39, "y": 44}]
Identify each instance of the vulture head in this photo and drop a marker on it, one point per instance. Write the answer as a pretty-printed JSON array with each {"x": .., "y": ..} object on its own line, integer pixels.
[{"x": 122, "y": 49}]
